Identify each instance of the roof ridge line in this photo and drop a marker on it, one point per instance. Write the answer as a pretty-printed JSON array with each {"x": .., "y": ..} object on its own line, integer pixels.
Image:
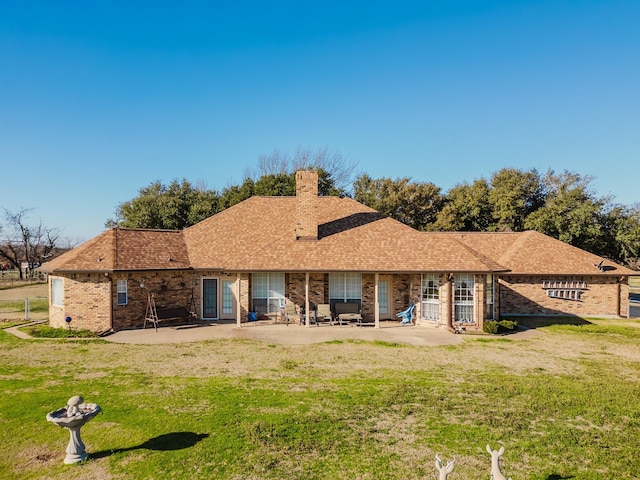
[{"x": 486, "y": 261}]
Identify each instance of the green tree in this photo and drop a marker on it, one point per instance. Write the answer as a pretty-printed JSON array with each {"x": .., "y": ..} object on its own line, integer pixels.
[
  {"x": 275, "y": 185},
  {"x": 514, "y": 194},
  {"x": 571, "y": 212},
  {"x": 236, "y": 194},
  {"x": 181, "y": 204},
  {"x": 467, "y": 208},
  {"x": 174, "y": 206},
  {"x": 413, "y": 203},
  {"x": 625, "y": 235}
]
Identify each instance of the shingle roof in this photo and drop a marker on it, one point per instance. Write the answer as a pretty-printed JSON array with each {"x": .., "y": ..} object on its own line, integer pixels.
[
  {"x": 125, "y": 249},
  {"x": 259, "y": 235},
  {"x": 534, "y": 253}
]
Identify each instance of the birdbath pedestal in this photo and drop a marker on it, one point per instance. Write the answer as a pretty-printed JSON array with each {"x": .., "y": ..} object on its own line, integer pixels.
[{"x": 73, "y": 417}]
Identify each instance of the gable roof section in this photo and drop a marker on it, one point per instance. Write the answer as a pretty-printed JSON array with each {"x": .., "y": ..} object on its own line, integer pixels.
[
  {"x": 533, "y": 253},
  {"x": 125, "y": 249},
  {"x": 259, "y": 235}
]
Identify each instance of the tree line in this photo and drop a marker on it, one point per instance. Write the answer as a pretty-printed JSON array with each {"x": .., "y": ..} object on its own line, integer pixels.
[{"x": 561, "y": 205}]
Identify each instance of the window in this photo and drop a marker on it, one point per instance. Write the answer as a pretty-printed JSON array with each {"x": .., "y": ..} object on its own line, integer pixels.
[
  {"x": 122, "y": 292},
  {"x": 430, "y": 297},
  {"x": 345, "y": 287},
  {"x": 383, "y": 297},
  {"x": 490, "y": 296},
  {"x": 463, "y": 298},
  {"x": 57, "y": 292},
  {"x": 227, "y": 297},
  {"x": 268, "y": 292}
]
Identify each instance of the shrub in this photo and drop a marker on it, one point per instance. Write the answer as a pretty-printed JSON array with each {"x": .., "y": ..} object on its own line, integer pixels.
[
  {"x": 503, "y": 326},
  {"x": 490, "y": 327}
]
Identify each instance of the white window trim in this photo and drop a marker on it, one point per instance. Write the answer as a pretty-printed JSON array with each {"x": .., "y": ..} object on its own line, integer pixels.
[
  {"x": 230, "y": 284},
  {"x": 464, "y": 303},
  {"x": 60, "y": 291},
  {"x": 122, "y": 288},
  {"x": 275, "y": 300},
  {"x": 340, "y": 281},
  {"x": 430, "y": 302}
]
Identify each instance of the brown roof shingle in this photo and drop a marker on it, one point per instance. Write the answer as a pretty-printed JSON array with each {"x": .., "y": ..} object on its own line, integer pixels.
[
  {"x": 533, "y": 253},
  {"x": 259, "y": 234},
  {"x": 125, "y": 249}
]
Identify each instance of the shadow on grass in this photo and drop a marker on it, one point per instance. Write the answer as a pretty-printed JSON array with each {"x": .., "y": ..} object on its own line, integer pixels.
[
  {"x": 547, "y": 321},
  {"x": 166, "y": 442},
  {"x": 558, "y": 477}
]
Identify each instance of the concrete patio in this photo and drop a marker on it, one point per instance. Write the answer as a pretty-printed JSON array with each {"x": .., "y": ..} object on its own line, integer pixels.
[
  {"x": 292, "y": 334},
  {"x": 391, "y": 332}
]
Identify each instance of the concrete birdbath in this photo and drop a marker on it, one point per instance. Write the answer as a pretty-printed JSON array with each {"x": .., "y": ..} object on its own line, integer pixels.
[{"x": 73, "y": 417}]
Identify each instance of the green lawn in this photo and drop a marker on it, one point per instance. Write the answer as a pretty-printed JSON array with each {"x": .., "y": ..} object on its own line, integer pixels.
[{"x": 565, "y": 403}]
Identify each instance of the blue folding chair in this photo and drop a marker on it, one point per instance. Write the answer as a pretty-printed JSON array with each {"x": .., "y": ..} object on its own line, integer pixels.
[{"x": 407, "y": 315}]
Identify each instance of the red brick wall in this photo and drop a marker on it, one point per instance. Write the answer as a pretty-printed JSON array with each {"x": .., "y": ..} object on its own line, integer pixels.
[
  {"x": 87, "y": 301},
  {"x": 524, "y": 295},
  {"x": 307, "y": 204}
]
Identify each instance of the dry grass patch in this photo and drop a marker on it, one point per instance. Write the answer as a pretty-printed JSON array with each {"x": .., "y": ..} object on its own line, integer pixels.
[{"x": 561, "y": 402}]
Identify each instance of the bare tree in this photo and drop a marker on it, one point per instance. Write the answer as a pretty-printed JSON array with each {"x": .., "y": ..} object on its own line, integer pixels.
[
  {"x": 23, "y": 243},
  {"x": 333, "y": 162}
]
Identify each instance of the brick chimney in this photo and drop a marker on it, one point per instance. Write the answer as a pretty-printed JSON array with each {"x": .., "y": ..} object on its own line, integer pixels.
[{"x": 306, "y": 205}]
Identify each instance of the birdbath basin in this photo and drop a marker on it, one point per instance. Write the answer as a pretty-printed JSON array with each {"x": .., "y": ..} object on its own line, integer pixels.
[{"x": 73, "y": 417}]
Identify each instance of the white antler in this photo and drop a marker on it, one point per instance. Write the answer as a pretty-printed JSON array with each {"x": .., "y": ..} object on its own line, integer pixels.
[
  {"x": 496, "y": 474},
  {"x": 444, "y": 470}
]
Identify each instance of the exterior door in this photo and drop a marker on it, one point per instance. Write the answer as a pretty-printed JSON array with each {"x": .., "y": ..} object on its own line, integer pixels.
[{"x": 210, "y": 298}]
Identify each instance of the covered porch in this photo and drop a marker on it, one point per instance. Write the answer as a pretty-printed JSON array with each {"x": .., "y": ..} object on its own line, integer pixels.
[{"x": 455, "y": 301}]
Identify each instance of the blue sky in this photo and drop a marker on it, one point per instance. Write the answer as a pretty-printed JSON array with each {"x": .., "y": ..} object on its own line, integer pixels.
[{"x": 100, "y": 98}]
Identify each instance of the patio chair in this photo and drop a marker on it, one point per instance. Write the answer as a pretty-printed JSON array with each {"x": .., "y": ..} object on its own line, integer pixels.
[
  {"x": 406, "y": 316},
  {"x": 312, "y": 314},
  {"x": 291, "y": 313},
  {"x": 324, "y": 313}
]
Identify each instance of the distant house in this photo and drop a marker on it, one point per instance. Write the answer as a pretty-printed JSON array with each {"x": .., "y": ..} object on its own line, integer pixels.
[{"x": 266, "y": 251}]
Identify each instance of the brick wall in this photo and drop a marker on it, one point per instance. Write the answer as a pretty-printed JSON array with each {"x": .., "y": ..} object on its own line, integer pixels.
[
  {"x": 603, "y": 296},
  {"x": 171, "y": 289},
  {"x": 318, "y": 288},
  {"x": 87, "y": 301},
  {"x": 307, "y": 205}
]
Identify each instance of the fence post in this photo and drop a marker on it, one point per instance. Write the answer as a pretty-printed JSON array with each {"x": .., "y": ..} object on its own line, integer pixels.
[{"x": 26, "y": 309}]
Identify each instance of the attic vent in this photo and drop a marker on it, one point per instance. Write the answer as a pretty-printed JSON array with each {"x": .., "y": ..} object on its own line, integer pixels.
[
  {"x": 565, "y": 284},
  {"x": 566, "y": 290},
  {"x": 565, "y": 294}
]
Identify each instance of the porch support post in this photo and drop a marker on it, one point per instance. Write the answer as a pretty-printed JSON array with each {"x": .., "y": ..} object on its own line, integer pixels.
[
  {"x": 238, "y": 301},
  {"x": 307, "y": 314},
  {"x": 376, "y": 300},
  {"x": 449, "y": 308}
]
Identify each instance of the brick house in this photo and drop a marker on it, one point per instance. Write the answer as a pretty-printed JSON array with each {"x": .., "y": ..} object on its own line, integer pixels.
[{"x": 267, "y": 251}]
